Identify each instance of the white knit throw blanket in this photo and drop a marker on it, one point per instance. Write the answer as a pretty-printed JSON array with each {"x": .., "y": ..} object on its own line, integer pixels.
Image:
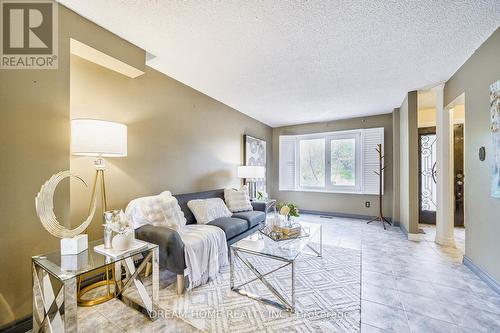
[{"x": 205, "y": 251}]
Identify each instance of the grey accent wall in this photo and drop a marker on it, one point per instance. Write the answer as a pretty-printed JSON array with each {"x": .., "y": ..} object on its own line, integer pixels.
[
  {"x": 482, "y": 212},
  {"x": 336, "y": 202},
  {"x": 408, "y": 163}
]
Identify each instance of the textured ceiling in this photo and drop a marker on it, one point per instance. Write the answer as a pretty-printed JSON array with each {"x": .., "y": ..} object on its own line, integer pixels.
[{"x": 290, "y": 62}]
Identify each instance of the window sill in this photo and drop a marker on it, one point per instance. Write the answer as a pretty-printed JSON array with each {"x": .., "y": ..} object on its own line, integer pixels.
[{"x": 329, "y": 191}]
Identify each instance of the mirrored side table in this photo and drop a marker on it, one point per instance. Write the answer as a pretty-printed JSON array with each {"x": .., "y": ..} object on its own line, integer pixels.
[{"x": 55, "y": 279}]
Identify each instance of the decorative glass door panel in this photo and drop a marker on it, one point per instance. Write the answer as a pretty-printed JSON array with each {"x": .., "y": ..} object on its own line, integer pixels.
[{"x": 427, "y": 174}]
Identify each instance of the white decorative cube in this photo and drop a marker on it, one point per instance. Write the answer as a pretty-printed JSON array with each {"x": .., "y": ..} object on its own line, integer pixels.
[
  {"x": 73, "y": 262},
  {"x": 74, "y": 245}
]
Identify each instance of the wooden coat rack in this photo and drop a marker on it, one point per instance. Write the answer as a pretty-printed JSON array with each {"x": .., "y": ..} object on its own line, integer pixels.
[{"x": 380, "y": 217}]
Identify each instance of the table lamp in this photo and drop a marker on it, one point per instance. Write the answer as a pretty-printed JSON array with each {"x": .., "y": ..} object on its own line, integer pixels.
[{"x": 251, "y": 173}]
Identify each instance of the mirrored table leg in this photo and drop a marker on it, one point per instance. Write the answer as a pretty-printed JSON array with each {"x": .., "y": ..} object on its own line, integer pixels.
[
  {"x": 54, "y": 310},
  {"x": 149, "y": 305},
  {"x": 70, "y": 306},
  {"x": 156, "y": 282},
  {"x": 231, "y": 267},
  {"x": 320, "y": 240}
]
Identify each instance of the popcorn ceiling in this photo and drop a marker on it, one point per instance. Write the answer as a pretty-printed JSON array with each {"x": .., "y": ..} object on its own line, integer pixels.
[{"x": 290, "y": 62}]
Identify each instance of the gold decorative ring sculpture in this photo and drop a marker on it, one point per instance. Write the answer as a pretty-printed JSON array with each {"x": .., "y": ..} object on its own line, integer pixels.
[{"x": 44, "y": 203}]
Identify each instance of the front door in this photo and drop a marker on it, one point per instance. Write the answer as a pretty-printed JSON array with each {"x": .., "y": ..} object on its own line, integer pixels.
[{"x": 427, "y": 174}]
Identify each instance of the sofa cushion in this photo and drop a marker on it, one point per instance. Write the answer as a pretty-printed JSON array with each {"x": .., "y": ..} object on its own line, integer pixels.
[
  {"x": 156, "y": 210},
  {"x": 231, "y": 226},
  {"x": 185, "y": 198},
  {"x": 237, "y": 200},
  {"x": 206, "y": 210},
  {"x": 252, "y": 217}
]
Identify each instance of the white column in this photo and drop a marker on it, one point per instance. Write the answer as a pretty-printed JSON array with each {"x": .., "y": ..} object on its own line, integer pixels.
[{"x": 444, "y": 176}]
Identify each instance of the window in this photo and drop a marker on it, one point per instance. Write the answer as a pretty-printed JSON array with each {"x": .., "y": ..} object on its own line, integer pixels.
[
  {"x": 343, "y": 161},
  {"x": 312, "y": 162}
]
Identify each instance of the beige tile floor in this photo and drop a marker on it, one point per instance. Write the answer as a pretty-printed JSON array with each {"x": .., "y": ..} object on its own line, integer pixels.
[{"x": 406, "y": 287}]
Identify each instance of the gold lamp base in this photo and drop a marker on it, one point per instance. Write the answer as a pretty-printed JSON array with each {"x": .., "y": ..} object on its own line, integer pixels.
[
  {"x": 97, "y": 300},
  {"x": 108, "y": 282},
  {"x": 110, "y": 290}
]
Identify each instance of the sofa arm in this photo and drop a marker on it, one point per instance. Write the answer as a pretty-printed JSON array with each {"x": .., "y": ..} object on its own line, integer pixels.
[
  {"x": 171, "y": 247},
  {"x": 260, "y": 206}
]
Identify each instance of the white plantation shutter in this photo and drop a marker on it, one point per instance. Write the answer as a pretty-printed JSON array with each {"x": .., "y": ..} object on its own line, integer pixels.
[
  {"x": 366, "y": 161},
  {"x": 287, "y": 163},
  {"x": 370, "y": 138}
]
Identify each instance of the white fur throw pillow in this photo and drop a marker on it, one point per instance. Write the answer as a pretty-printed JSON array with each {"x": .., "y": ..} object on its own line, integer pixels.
[
  {"x": 206, "y": 210},
  {"x": 237, "y": 200},
  {"x": 157, "y": 210}
]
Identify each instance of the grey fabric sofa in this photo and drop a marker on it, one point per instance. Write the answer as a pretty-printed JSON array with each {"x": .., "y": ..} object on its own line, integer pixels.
[{"x": 171, "y": 247}]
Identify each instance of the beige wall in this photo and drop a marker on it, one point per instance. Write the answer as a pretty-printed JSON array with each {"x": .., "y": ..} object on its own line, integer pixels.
[
  {"x": 396, "y": 165},
  {"x": 178, "y": 138},
  {"x": 336, "y": 202},
  {"x": 459, "y": 113},
  {"x": 34, "y": 139},
  {"x": 427, "y": 117},
  {"x": 413, "y": 162},
  {"x": 34, "y": 143},
  {"x": 404, "y": 213},
  {"x": 408, "y": 177},
  {"x": 481, "y": 210}
]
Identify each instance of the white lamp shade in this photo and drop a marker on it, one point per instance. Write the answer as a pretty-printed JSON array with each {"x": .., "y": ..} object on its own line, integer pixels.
[
  {"x": 91, "y": 137},
  {"x": 251, "y": 171}
]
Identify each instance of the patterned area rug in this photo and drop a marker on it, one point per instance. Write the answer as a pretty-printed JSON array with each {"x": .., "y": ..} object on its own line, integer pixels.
[{"x": 327, "y": 297}]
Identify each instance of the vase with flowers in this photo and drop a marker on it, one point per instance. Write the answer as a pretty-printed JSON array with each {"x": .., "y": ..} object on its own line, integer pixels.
[
  {"x": 118, "y": 224},
  {"x": 288, "y": 211}
]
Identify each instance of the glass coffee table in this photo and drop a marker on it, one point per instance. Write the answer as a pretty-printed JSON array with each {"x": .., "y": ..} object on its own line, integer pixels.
[
  {"x": 55, "y": 283},
  {"x": 285, "y": 251}
]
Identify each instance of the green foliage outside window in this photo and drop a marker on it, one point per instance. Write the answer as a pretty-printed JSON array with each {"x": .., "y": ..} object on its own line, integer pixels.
[
  {"x": 343, "y": 157},
  {"x": 312, "y": 162}
]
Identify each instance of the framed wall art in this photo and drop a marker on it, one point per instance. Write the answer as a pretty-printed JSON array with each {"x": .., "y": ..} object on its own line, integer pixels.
[
  {"x": 255, "y": 151},
  {"x": 495, "y": 135}
]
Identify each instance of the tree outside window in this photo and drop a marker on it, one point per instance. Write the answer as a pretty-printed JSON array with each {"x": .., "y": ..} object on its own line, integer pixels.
[
  {"x": 343, "y": 162},
  {"x": 312, "y": 162}
]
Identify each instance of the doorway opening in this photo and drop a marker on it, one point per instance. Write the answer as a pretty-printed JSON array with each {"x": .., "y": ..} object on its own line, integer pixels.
[{"x": 428, "y": 176}]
